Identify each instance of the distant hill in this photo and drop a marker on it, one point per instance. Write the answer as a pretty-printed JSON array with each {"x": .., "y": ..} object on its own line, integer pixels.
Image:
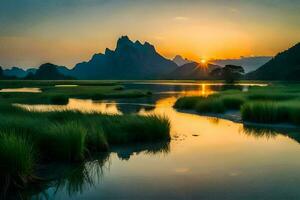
[
  {"x": 193, "y": 70},
  {"x": 179, "y": 60},
  {"x": 15, "y": 71},
  {"x": 3, "y": 76},
  {"x": 284, "y": 66},
  {"x": 248, "y": 63},
  {"x": 18, "y": 72},
  {"x": 130, "y": 60},
  {"x": 48, "y": 71}
]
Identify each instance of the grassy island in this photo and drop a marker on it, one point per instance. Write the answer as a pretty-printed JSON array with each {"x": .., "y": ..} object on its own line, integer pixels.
[{"x": 272, "y": 104}]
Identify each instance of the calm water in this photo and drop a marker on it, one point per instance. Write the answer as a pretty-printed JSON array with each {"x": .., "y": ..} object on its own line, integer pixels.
[
  {"x": 207, "y": 158},
  {"x": 30, "y": 90}
]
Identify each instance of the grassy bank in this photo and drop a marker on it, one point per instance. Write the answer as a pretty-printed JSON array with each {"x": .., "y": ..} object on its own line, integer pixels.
[
  {"x": 51, "y": 94},
  {"x": 272, "y": 104},
  {"x": 28, "y": 139}
]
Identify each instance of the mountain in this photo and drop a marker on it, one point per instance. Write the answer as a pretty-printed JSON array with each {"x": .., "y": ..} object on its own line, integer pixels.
[
  {"x": 47, "y": 71},
  {"x": 284, "y": 66},
  {"x": 248, "y": 63},
  {"x": 179, "y": 60},
  {"x": 130, "y": 60},
  {"x": 193, "y": 70},
  {"x": 18, "y": 72},
  {"x": 31, "y": 70},
  {"x": 3, "y": 76},
  {"x": 15, "y": 71}
]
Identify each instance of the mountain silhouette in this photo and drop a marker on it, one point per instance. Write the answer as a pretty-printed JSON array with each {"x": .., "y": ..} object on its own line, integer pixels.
[
  {"x": 47, "y": 71},
  {"x": 179, "y": 60},
  {"x": 130, "y": 60},
  {"x": 248, "y": 63},
  {"x": 193, "y": 70},
  {"x": 284, "y": 66},
  {"x": 15, "y": 71},
  {"x": 3, "y": 76},
  {"x": 18, "y": 72}
]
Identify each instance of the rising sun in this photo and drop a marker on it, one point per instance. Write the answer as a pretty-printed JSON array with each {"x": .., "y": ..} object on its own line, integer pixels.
[{"x": 203, "y": 61}]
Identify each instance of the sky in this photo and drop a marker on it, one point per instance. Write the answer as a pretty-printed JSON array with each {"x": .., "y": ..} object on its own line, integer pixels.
[{"x": 66, "y": 32}]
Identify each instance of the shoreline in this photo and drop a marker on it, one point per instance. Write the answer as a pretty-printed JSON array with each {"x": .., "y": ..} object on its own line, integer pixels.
[{"x": 235, "y": 116}]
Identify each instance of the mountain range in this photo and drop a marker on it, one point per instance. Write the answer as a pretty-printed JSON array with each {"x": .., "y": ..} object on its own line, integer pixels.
[
  {"x": 134, "y": 60},
  {"x": 48, "y": 71},
  {"x": 18, "y": 72}
]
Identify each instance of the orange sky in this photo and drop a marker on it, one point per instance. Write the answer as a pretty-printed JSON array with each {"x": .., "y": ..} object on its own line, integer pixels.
[{"x": 67, "y": 32}]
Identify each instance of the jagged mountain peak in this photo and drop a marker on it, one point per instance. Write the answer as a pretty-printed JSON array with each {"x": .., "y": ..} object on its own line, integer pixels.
[
  {"x": 130, "y": 60},
  {"x": 123, "y": 41}
]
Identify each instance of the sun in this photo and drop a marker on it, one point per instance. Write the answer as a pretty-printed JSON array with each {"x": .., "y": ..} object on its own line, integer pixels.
[{"x": 203, "y": 61}]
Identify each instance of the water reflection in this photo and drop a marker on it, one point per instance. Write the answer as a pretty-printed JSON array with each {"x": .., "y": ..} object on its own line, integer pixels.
[
  {"x": 272, "y": 132},
  {"x": 148, "y": 149},
  {"x": 207, "y": 158},
  {"x": 73, "y": 180},
  {"x": 30, "y": 90}
]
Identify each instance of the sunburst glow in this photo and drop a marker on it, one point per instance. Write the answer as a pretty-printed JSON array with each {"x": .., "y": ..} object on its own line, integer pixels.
[{"x": 203, "y": 61}]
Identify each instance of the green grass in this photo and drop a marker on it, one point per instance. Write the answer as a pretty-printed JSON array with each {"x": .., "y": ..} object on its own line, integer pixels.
[
  {"x": 187, "y": 102},
  {"x": 60, "y": 95},
  {"x": 272, "y": 104},
  {"x": 272, "y": 112},
  {"x": 134, "y": 129},
  {"x": 210, "y": 105},
  {"x": 233, "y": 102},
  {"x": 28, "y": 139},
  {"x": 65, "y": 141},
  {"x": 17, "y": 158}
]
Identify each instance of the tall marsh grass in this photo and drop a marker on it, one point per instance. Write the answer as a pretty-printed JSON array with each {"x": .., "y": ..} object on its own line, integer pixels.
[
  {"x": 211, "y": 104},
  {"x": 17, "y": 160},
  {"x": 274, "y": 104},
  {"x": 29, "y": 138},
  {"x": 64, "y": 141},
  {"x": 272, "y": 112}
]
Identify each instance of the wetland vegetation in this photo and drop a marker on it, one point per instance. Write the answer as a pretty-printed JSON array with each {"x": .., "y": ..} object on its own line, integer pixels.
[
  {"x": 29, "y": 139},
  {"x": 278, "y": 103},
  {"x": 69, "y": 150}
]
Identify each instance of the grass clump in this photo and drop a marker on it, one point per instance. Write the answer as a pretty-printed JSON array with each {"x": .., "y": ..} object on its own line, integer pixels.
[
  {"x": 233, "y": 102},
  {"x": 210, "y": 105},
  {"x": 64, "y": 142},
  {"x": 17, "y": 158},
  {"x": 96, "y": 139},
  {"x": 132, "y": 129},
  {"x": 271, "y": 112},
  {"x": 272, "y": 96},
  {"x": 263, "y": 112},
  {"x": 187, "y": 102}
]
